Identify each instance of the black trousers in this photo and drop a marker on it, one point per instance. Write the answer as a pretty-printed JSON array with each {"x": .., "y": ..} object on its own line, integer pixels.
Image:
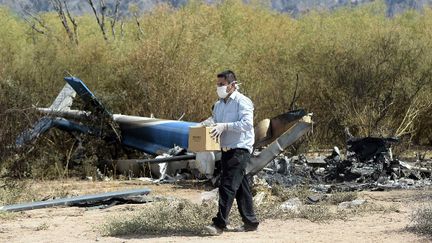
[{"x": 235, "y": 184}]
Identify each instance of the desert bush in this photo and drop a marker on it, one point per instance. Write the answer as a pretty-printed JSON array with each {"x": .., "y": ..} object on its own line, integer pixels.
[
  {"x": 421, "y": 220},
  {"x": 175, "y": 216},
  {"x": 339, "y": 197},
  {"x": 184, "y": 217},
  {"x": 13, "y": 191},
  {"x": 318, "y": 213},
  {"x": 373, "y": 78},
  {"x": 282, "y": 193},
  {"x": 164, "y": 217}
]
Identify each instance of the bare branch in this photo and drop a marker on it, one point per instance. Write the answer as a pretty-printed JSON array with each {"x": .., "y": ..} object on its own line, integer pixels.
[
  {"x": 139, "y": 25},
  {"x": 34, "y": 21},
  {"x": 33, "y": 26},
  {"x": 100, "y": 20},
  {"x": 58, "y": 6},
  {"x": 122, "y": 30},
  {"x": 414, "y": 110},
  {"x": 103, "y": 12},
  {"x": 37, "y": 19},
  {"x": 73, "y": 21},
  {"x": 295, "y": 97},
  {"x": 115, "y": 17}
]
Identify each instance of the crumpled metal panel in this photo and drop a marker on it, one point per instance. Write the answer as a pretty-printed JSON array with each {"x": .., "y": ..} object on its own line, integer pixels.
[{"x": 300, "y": 128}]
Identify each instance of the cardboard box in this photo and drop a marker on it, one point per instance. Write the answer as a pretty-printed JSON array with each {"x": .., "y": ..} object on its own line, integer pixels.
[{"x": 201, "y": 141}]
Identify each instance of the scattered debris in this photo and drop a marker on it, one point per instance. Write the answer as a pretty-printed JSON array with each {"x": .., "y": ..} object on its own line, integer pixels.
[
  {"x": 339, "y": 197},
  {"x": 259, "y": 198},
  {"x": 292, "y": 205},
  {"x": 315, "y": 198},
  {"x": 368, "y": 164},
  {"x": 210, "y": 196},
  {"x": 352, "y": 204}
]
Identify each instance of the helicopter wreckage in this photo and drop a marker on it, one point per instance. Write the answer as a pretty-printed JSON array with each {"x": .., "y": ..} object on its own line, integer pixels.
[{"x": 164, "y": 140}]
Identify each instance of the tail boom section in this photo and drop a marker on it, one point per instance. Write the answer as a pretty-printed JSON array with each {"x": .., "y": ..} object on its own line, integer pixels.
[
  {"x": 87, "y": 96},
  {"x": 153, "y": 135}
]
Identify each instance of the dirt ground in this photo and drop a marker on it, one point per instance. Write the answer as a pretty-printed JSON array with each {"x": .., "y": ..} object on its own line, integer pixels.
[{"x": 72, "y": 224}]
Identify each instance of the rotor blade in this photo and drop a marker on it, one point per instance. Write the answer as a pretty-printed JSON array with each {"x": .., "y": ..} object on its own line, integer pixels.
[{"x": 45, "y": 123}]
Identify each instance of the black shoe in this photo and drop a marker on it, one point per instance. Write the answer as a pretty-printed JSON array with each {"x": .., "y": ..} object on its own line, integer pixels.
[
  {"x": 246, "y": 228},
  {"x": 213, "y": 230}
]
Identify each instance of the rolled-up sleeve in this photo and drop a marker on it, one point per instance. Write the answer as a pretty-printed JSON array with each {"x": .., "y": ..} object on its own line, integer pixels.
[{"x": 245, "y": 122}]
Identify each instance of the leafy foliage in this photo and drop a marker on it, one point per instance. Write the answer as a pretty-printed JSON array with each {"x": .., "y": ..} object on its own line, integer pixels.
[{"x": 352, "y": 67}]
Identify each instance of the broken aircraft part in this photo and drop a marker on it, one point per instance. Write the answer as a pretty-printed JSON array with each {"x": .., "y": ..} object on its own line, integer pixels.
[
  {"x": 76, "y": 201},
  {"x": 369, "y": 147},
  {"x": 46, "y": 123},
  {"x": 334, "y": 173},
  {"x": 269, "y": 130},
  {"x": 151, "y": 135},
  {"x": 291, "y": 135}
]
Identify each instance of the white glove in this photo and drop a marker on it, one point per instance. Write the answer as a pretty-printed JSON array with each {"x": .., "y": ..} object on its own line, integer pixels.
[{"x": 218, "y": 129}]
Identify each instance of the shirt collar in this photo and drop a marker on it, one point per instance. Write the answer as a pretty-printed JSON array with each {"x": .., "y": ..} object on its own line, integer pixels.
[{"x": 232, "y": 96}]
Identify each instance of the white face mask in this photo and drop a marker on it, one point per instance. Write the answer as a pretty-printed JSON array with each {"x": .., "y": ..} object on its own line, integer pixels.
[{"x": 221, "y": 91}]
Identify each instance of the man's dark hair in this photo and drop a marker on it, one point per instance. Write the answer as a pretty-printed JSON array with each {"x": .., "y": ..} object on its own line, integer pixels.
[{"x": 228, "y": 75}]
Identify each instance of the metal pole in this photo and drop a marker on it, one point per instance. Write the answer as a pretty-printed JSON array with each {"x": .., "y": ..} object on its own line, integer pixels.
[
  {"x": 73, "y": 200},
  {"x": 159, "y": 160}
]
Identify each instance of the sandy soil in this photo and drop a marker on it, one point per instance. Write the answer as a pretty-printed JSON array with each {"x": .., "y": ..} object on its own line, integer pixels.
[{"x": 82, "y": 225}]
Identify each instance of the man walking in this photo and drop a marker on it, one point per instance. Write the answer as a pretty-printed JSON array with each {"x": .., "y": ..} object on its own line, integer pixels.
[{"x": 233, "y": 115}]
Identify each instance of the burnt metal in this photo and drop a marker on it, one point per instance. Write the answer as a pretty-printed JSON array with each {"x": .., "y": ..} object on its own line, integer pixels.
[
  {"x": 369, "y": 147},
  {"x": 369, "y": 165}
]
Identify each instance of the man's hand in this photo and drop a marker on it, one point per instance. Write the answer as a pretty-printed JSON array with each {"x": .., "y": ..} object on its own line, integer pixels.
[
  {"x": 208, "y": 122},
  {"x": 218, "y": 129}
]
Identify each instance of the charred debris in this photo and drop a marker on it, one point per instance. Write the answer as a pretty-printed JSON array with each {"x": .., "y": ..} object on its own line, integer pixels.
[{"x": 367, "y": 165}]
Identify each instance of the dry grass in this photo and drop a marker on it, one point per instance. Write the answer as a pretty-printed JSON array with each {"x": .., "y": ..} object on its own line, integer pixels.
[
  {"x": 185, "y": 217},
  {"x": 42, "y": 226},
  {"x": 339, "y": 197},
  {"x": 369, "y": 208},
  {"x": 164, "y": 217},
  {"x": 319, "y": 213},
  {"x": 13, "y": 191},
  {"x": 7, "y": 215},
  {"x": 421, "y": 220},
  {"x": 283, "y": 194}
]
